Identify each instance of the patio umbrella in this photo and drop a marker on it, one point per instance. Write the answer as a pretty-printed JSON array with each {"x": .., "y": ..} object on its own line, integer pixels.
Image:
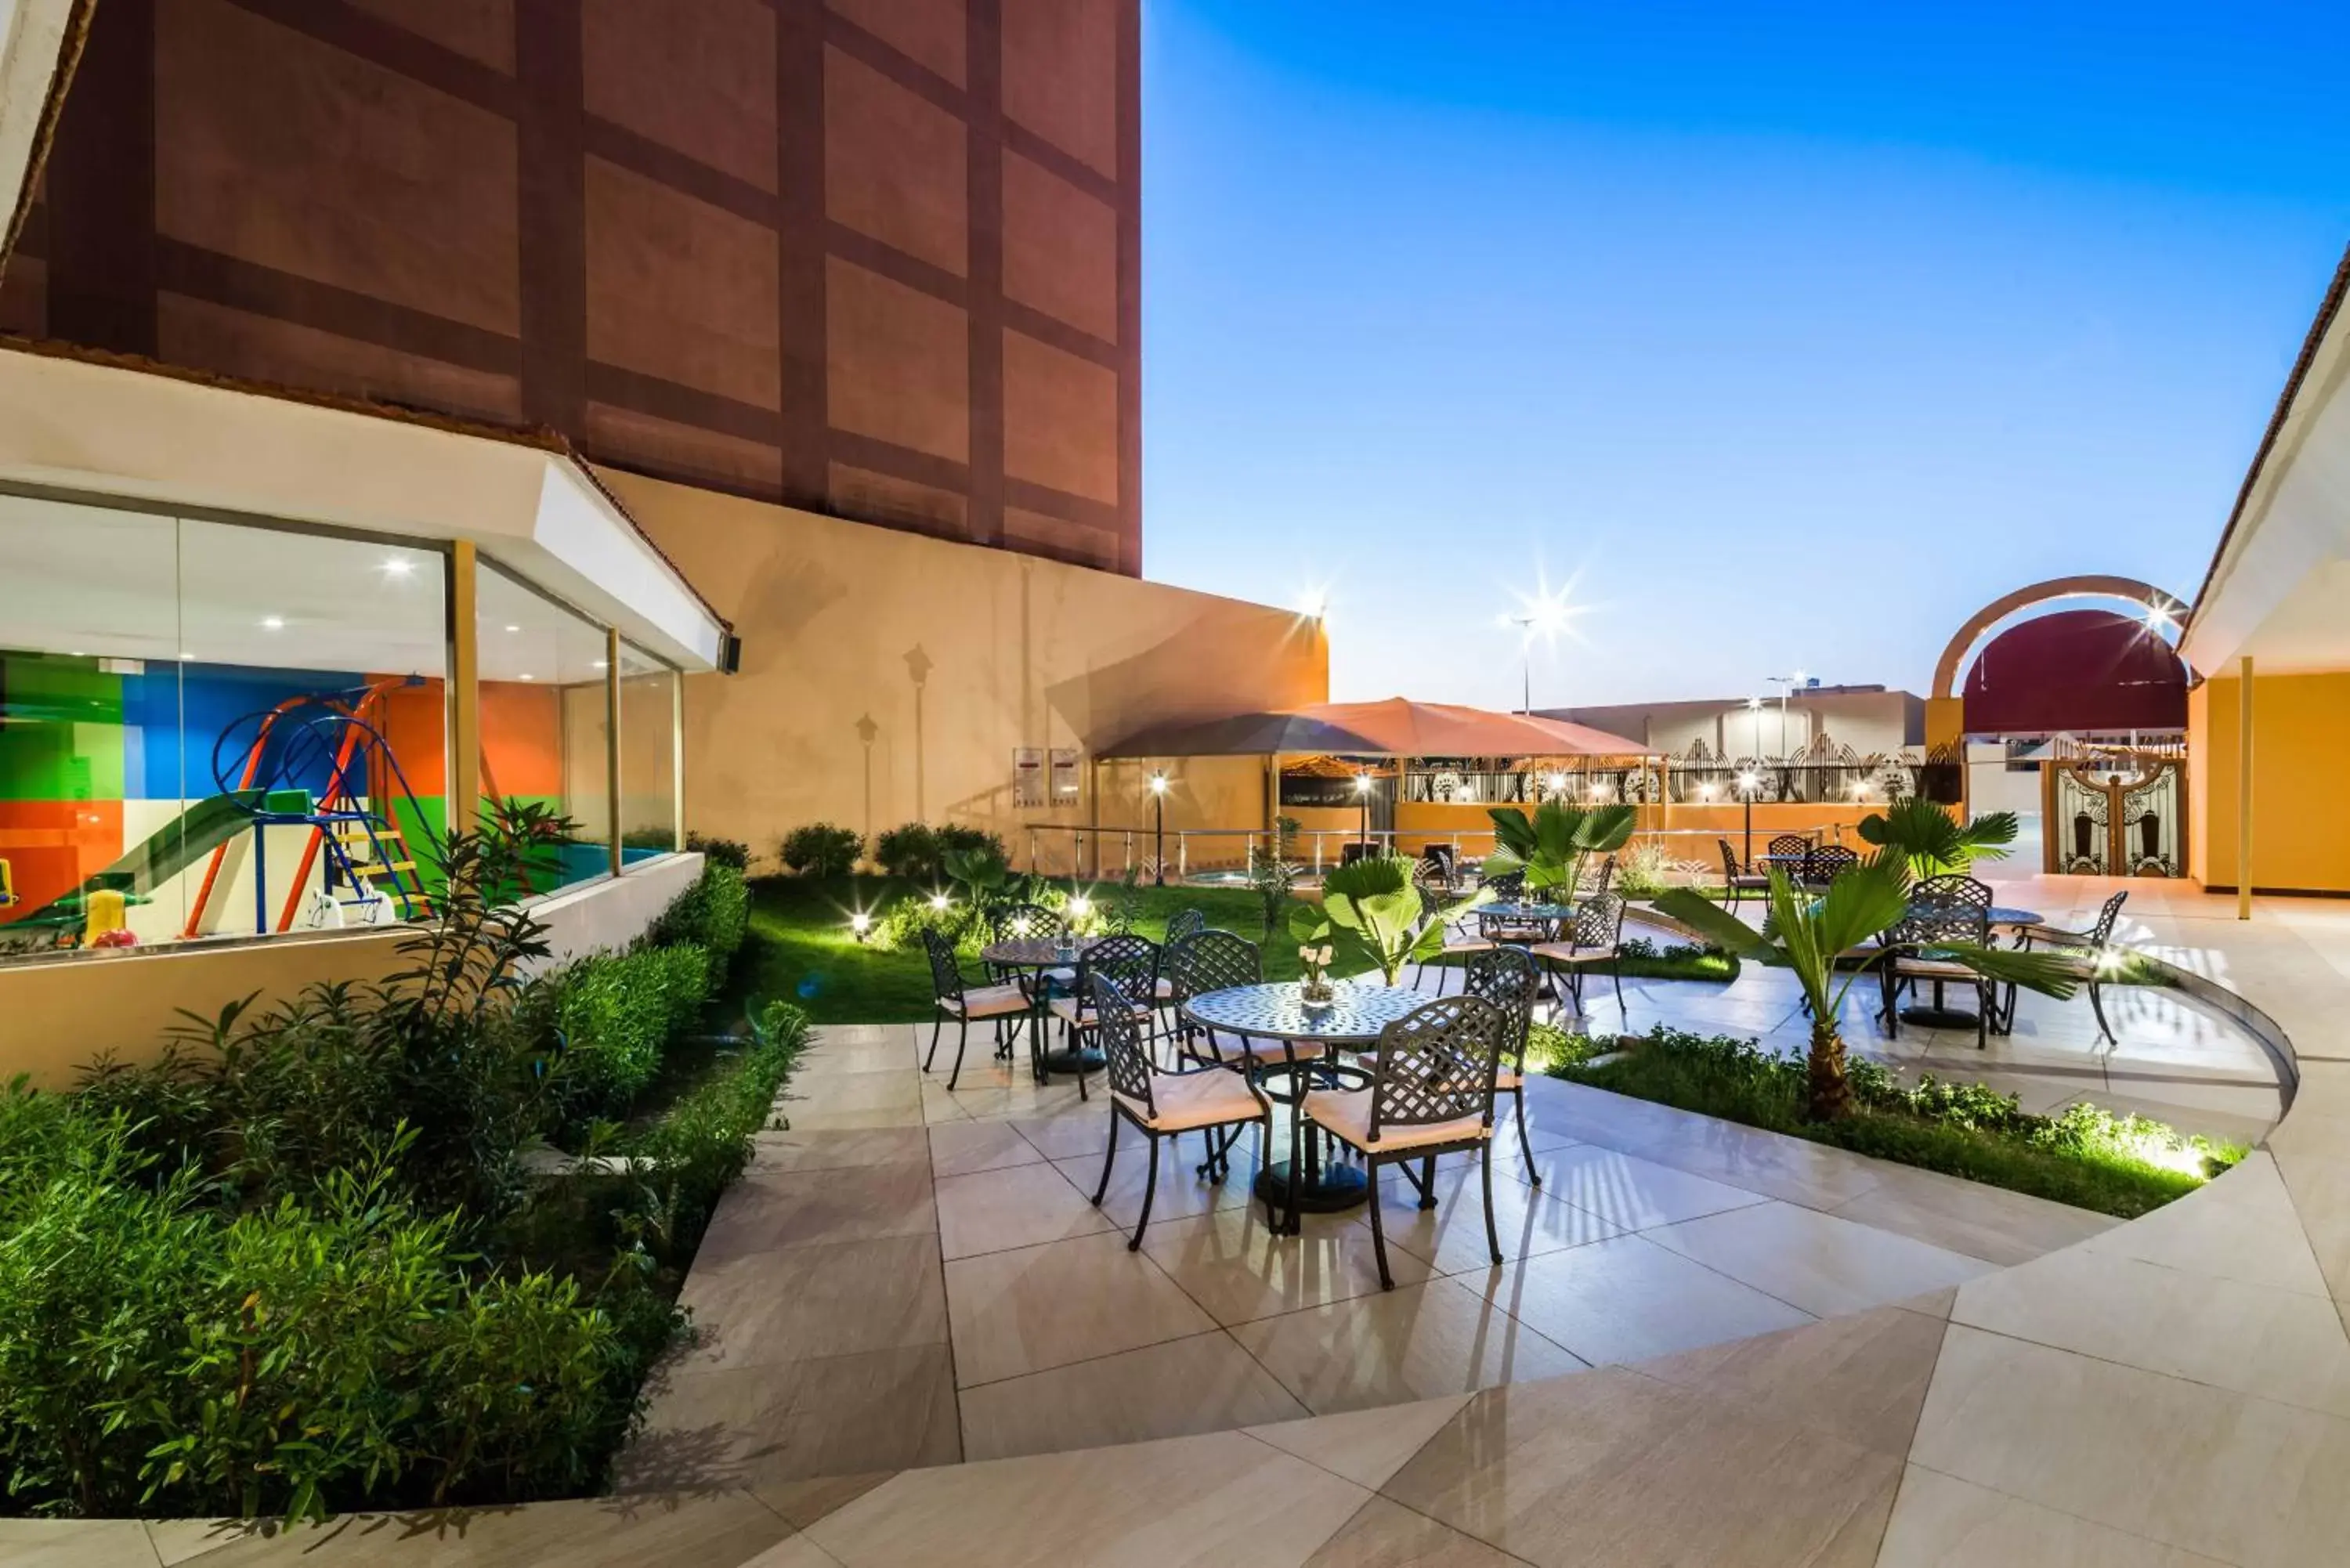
[{"x": 1397, "y": 727}]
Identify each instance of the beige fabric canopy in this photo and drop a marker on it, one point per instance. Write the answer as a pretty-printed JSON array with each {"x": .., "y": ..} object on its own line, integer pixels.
[{"x": 1394, "y": 728}]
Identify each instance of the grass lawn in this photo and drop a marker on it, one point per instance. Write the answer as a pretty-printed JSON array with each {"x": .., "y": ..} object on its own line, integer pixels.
[
  {"x": 800, "y": 947},
  {"x": 2087, "y": 1158}
]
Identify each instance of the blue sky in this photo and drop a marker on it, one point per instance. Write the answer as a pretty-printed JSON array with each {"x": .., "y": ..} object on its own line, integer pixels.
[{"x": 1789, "y": 336}]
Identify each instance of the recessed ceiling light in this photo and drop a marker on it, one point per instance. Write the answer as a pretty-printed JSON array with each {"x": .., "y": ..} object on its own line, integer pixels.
[
  {"x": 514, "y": 629},
  {"x": 273, "y": 623},
  {"x": 77, "y": 653},
  {"x": 527, "y": 676},
  {"x": 596, "y": 664},
  {"x": 185, "y": 654},
  {"x": 394, "y": 566}
]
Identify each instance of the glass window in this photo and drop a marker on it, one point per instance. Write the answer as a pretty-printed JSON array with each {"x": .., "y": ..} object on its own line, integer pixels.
[
  {"x": 541, "y": 672},
  {"x": 649, "y": 823},
  {"x": 212, "y": 729}
]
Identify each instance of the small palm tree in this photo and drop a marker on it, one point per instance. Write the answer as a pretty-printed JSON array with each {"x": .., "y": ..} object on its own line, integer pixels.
[
  {"x": 1372, "y": 911},
  {"x": 1811, "y": 936},
  {"x": 1552, "y": 847},
  {"x": 1933, "y": 841}
]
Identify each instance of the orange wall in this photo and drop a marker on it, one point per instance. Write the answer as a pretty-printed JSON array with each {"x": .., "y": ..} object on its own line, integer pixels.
[{"x": 2301, "y": 757}]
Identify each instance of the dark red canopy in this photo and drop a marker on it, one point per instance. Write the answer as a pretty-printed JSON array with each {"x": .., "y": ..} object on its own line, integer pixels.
[{"x": 2084, "y": 669}]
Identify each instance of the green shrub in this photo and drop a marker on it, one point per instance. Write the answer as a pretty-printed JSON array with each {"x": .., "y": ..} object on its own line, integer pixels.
[
  {"x": 705, "y": 1140},
  {"x": 911, "y": 851},
  {"x": 614, "y": 1014},
  {"x": 729, "y": 852},
  {"x": 2085, "y": 1157},
  {"x": 711, "y": 915},
  {"x": 820, "y": 850}
]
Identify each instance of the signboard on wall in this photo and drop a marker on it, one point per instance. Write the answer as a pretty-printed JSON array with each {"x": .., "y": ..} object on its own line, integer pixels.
[
  {"x": 1064, "y": 775},
  {"x": 1027, "y": 775},
  {"x": 1318, "y": 789}
]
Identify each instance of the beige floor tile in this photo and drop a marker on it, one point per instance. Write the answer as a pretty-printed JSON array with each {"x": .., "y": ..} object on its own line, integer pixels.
[
  {"x": 1232, "y": 1265},
  {"x": 1619, "y": 1469},
  {"x": 2320, "y": 1187},
  {"x": 812, "y": 1208},
  {"x": 1862, "y": 1377},
  {"x": 1968, "y": 1216},
  {"x": 1367, "y": 1447},
  {"x": 965, "y": 1148},
  {"x": 725, "y": 1526},
  {"x": 1632, "y": 1193},
  {"x": 1032, "y": 1308},
  {"x": 828, "y": 1058},
  {"x": 1627, "y": 1299},
  {"x": 1789, "y": 1169},
  {"x": 1387, "y": 1535},
  {"x": 1182, "y": 1192},
  {"x": 940, "y": 1107},
  {"x": 1942, "y": 1522},
  {"x": 1219, "y": 1500},
  {"x": 756, "y": 1308},
  {"x": 75, "y": 1543},
  {"x": 1206, "y": 1383},
  {"x": 800, "y": 1149},
  {"x": 1072, "y": 1131},
  {"x": 179, "y": 1540},
  {"x": 1413, "y": 1342},
  {"x": 840, "y": 1415},
  {"x": 1020, "y": 1206},
  {"x": 1934, "y": 1305},
  {"x": 2251, "y": 1233},
  {"x": 1816, "y": 1261},
  {"x": 2246, "y": 1480},
  {"x": 2255, "y": 1339},
  {"x": 797, "y": 1552},
  {"x": 1451, "y": 1236},
  {"x": 803, "y": 1502},
  {"x": 898, "y": 1089}
]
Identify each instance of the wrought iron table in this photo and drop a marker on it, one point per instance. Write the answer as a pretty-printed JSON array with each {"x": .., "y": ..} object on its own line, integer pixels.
[
  {"x": 1275, "y": 1010},
  {"x": 1042, "y": 955},
  {"x": 1999, "y": 916}
]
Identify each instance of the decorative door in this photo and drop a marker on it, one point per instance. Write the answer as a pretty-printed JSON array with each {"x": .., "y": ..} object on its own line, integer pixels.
[{"x": 2116, "y": 814}]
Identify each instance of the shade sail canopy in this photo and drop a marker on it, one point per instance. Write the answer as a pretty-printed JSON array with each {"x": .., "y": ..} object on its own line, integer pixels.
[
  {"x": 1395, "y": 728},
  {"x": 2083, "y": 670}
]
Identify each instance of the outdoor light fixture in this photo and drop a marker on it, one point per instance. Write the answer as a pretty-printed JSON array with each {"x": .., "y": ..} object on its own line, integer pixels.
[
  {"x": 859, "y": 923},
  {"x": 938, "y": 901},
  {"x": 1747, "y": 783},
  {"x": 1557, "y": 781},
  {"x": 1313, "y": 604},
  {"x": 1080, "y": 906},
  {"x": 1545, "y": 615},
  {"x": 1159, "y": 830},
  {"x": 1362, "y": 794}
]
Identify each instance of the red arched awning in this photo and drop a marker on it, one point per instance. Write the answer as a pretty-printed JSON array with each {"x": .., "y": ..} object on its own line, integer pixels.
[{"x": 2081, "y": 669}]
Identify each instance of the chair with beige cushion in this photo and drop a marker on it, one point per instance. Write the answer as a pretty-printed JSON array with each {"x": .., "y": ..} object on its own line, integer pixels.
[
  {"x": 1128, "y": 962},
  {"x": 1430, "y": 1094},
  {"x": 1920, "y": 942},
  {"x": 2089, "y": 954},
  {"x": 1596, "y": 938},
  {"x": 957, "y": 998},
  {"x": 1506, "y": 978},
  {"x": 1160, "y": 1104},
  {"x": 1740, "y": 880}
]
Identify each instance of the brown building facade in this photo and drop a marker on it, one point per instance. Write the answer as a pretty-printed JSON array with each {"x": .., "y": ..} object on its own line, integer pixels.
[{"x": 878, "y": 258}]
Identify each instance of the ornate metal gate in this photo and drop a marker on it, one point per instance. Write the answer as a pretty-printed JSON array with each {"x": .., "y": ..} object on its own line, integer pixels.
[{"x": 2115, "y": 813}]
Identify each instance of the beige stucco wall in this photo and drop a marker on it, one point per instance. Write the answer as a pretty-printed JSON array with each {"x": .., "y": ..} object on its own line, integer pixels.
[
  {"x": 888, "y": 675},
  {"x": 58, "y": 1015}
]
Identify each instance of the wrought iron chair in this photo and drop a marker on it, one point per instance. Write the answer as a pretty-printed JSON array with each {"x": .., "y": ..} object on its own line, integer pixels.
[
  {"x": 1162, "y": 1103},
  {"x": 1441, "y": 864},
  {"x": 1181, "y": 924},
  {"x": 1915, "y": 941},
  {"x": 1215, "y": 961},
  {"x": 1791, "y": 846},
  {"x": 1954, "y": 891},
  {"x": 1825, "y": 864},
  {"x": 2091, "y": 952},
  {"x": 1596, "y": 938},
  {"x": 1130, "y": 964},
  {"x": 1432, "y": 1093},
  {"x": 956, "y": 999},
  {"x": 1506, "y": 978},
  {"x": 1738, "y": 881},
  {"x": 1355, "y": 850},
  {"x": 1606, "y": 878},
  {"x": 1024, "y": 922}
]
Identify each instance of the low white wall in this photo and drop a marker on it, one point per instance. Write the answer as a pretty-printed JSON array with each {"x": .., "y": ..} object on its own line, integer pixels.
[{"x": 597, "y": 916}]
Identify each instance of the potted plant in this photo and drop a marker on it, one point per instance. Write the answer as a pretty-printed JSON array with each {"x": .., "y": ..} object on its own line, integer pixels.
[
  {"x": 1809, "y": 936},
  {"x": 1932, "y": 841},
  {"x": 1372, "y": 911},
  {"x": 1314, "y": 974},
  {"x": 1551, "y": 847}
]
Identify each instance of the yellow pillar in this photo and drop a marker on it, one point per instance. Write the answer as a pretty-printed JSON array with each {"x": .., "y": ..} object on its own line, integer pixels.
[
  {"x": 612, "y": 745},
  {"x": 2244, "y": 793},
  {"x": 1946, "y": 725},
  {"x": 464, "y": 711}
]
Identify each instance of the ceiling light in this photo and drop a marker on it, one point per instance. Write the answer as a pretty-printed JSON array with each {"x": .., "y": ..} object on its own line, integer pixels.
[
  {"x": 273, "y": 623},
  {"x": 514, "y": 629},
  {"x": 596, "y": 664},
  {"x": 185, "y": 655},
  {"x": 526, "y": 675},
  {"x": 395, "y": 567}
]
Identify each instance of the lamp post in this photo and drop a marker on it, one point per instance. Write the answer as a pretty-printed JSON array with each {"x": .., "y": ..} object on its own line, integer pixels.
[
  {"x": 1746, "y": 783},
  {"x": 1159, "y": 829},
  {"x": 1362, "y": 794}
]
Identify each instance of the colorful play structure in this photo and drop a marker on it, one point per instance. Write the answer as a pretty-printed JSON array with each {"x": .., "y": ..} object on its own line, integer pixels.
[{"x": 318, "y": 760}]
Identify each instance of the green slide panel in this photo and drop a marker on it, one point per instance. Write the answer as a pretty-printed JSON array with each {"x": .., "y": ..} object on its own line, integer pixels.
[{"x": 173, "y": 847}]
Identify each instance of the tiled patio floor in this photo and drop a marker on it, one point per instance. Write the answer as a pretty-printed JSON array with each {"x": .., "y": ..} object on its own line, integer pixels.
[{"x": 911, "y": 1275}]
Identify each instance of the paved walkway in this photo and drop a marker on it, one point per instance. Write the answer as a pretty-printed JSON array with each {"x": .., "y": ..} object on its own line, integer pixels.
[{"x": 2172, "y": 1391}]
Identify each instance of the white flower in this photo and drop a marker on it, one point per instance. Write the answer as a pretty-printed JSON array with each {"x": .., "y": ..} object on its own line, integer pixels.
[{"x": 1327, "y": 954}]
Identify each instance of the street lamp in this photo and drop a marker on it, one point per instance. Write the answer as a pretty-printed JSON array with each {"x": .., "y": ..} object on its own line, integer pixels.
[
  {"x": 1747, "y": 783},
  {"x": 1159, "y": 829},
  {"x": 1544, "y": 614},
  {"x": 1363, "y": 794}
]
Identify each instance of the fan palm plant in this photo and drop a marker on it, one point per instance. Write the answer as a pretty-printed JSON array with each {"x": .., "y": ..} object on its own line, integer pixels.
[
  {"x": 1372, "y": 911},
  {"x": 1932, "y": 839},
  {"x": 1551, "y": 847},
  {"x": 1809, "y": 936}
]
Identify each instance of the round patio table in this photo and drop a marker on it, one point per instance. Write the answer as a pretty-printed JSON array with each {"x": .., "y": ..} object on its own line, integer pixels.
[
  {"x": 1041, "y": 955},
  {"x": 1940, "y": 1017},
  {"x": 1275, "y": 1010}
]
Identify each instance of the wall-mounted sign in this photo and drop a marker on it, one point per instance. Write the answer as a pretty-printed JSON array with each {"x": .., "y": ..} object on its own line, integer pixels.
[
  {"x": 1064, "y": 775},
  {"x": 1027, "y": 775},
  {"x": 1318, "y": 789}
]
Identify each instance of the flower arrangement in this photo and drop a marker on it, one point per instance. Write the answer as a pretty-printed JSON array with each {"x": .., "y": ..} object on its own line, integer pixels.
[{"x": 1314, "y": 962}]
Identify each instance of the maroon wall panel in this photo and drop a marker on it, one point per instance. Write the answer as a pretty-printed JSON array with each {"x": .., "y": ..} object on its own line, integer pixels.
[
  {"x": 877, "y": 257},
  {"x": 2079, "y": 670}
]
